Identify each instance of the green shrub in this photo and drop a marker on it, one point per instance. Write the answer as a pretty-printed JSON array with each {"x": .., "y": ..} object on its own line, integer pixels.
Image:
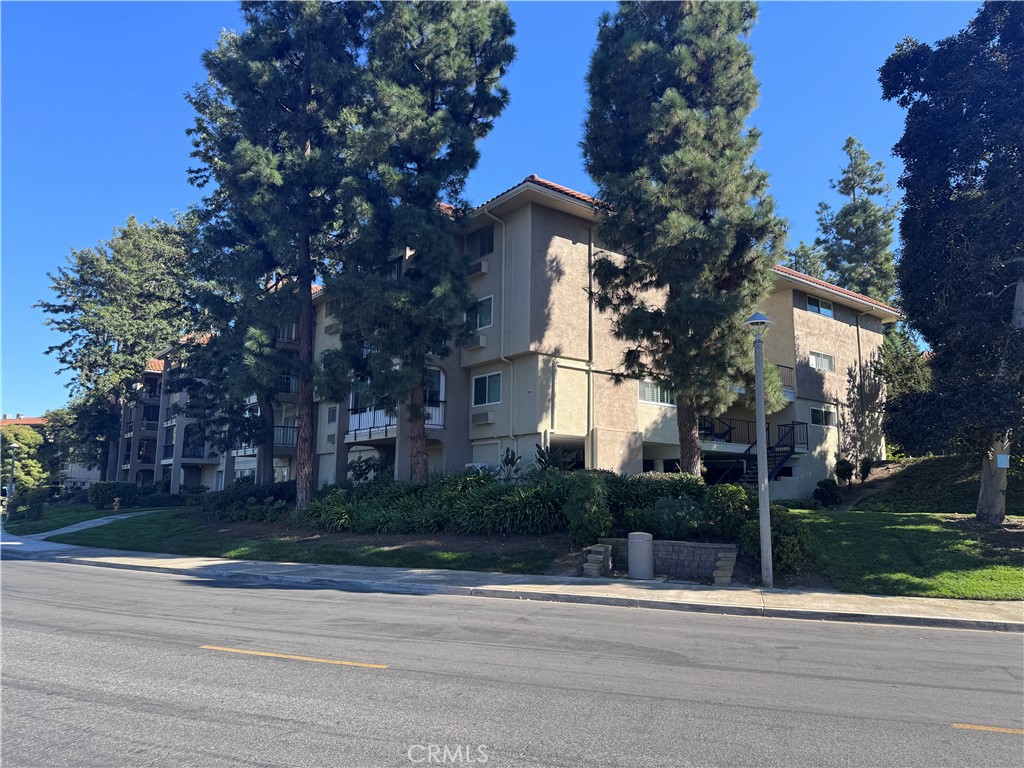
[
  {"x": 827, "y": 493},
  {"x": 328, "y": 512},
  {"x": 216, "y": 503},
  {"x": 631, "y": 492},
  {"x": 864, "y": 468},
  {"x": 844, "y": 471},
  {"x": 586, "y": 509},
  {"x": 369, "y": 468},
  {"x": 791, "y": 541},
  {"x": 671, "y": 519},
  {"x": 102, "y": 495},
  {"x": 163, "y": 500},
  {"x": 728, "y": 507}
]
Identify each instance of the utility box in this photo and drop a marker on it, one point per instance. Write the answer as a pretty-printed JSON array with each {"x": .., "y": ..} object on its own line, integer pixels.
[{"x": 641, "y": 555}]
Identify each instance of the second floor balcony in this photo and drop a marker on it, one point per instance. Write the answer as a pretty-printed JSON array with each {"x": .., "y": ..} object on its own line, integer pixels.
[{"x": 379, "y": 422}]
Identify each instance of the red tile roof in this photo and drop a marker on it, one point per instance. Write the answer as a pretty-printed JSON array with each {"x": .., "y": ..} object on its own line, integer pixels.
[
  {"x": 26, "y": 421},
  {"x": 787, "y": 272},
  {"x": 154, "y": 365}
]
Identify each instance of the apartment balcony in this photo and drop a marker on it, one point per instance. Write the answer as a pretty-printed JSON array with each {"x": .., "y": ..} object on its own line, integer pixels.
[
  {"x": 287, "y": 384},
  {"x": 378, "y": 423},
  {"x": 285, "y": 438},
  {"x": 787, "y": 376}
]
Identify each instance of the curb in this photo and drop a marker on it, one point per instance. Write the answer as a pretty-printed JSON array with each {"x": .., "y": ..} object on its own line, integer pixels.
[{"x": 390, "y": 587}]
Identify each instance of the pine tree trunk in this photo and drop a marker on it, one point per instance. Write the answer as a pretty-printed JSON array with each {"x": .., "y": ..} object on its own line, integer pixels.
[
  {"x": 418, "y": 470},
  {"x": 689, "y": 439},
  {"x": 110, "y": 470},
  {"x": 304, "y": 447},
  {"x": 992, "y": 496},
  {"x": 265, "y": 452}
]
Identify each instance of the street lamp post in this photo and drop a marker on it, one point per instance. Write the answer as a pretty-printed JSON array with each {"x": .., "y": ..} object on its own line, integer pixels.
[
  {"x": 759, "y": 324},
  {"x": 14, "y": 461}
]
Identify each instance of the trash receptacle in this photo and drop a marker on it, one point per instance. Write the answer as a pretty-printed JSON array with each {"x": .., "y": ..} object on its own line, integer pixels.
[{"x": 641, "y": 555}]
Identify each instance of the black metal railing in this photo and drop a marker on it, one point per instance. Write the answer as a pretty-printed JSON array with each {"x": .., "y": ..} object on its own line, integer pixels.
[
  {"x": 193, "y": 452},
  {"x": 145, "y": 458},
  {"x": 793, "y": 434},
  {"x": 288, "y": 384},
  {"x": 787, "y": 376},
  {"x": 724, "y": 430},
  {"x": 150, "y": 426},
  {"x": 285, "y": 436},
  {"x": 381, "y": 420}
]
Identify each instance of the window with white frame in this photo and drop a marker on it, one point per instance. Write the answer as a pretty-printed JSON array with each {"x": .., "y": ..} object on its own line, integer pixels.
[
  {"x": 823, "y": 417},
  {"x": 821, "y": 362},
  {"x": 654, "y": 392},
  {"x": 485, "y": 313},
  {"x": 819, "y": 306},
  {"x": 487, "y": 389}
]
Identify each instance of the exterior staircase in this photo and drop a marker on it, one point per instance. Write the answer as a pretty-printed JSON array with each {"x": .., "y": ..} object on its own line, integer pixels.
[{"x": 791, "y": 437}]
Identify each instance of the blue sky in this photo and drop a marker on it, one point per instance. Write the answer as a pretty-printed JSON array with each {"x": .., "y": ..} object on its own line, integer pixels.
[{"x": 93, "y": 121}]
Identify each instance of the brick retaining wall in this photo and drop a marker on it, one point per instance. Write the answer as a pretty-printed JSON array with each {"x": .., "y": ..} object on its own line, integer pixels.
[{"x": 675, "y": 559}]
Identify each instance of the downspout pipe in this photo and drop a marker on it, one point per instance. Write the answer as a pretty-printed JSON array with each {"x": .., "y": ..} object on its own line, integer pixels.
[
  {"x": 506, "y": 303},
  {"x": 590, "y": 346}
]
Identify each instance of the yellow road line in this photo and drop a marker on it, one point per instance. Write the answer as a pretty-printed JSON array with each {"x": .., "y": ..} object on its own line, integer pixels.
[
  {"x": 296, "y": 658},
  {"x": 988, "y": 728}
]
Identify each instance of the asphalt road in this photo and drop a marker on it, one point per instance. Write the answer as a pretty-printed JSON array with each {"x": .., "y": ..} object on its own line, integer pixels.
[{"x": 103, "y": 667}]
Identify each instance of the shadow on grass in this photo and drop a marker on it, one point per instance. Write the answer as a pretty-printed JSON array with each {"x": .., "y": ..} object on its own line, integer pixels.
[{"x": 929, "y": 555}]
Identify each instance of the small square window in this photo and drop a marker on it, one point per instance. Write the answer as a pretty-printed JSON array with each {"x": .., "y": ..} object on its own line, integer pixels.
[
  {"x": 481, "y": 242},
  {"x": 823, "y": 417},
  {"x": 487, "y": 389},
  {"x": 819, "y": 306},
  {"x": 819, "y": 361}
]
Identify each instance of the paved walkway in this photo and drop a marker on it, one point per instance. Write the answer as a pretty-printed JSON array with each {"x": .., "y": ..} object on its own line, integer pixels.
[{"x": 775, "y": 603}]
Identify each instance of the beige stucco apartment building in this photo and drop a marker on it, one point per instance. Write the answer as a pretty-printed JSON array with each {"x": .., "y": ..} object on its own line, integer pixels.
[{"x": 539, "y": 369}]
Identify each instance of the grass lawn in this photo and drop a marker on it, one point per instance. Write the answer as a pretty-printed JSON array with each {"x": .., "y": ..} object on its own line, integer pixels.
[
  {"x": 174, "y": 532},
  {"x": 941, "y": 484},
  {"x": 927, "y": 555},
  {"x": 59, "y": 515}
]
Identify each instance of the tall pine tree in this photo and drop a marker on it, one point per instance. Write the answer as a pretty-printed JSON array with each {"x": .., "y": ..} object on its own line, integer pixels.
[
  {"x": 434, "y": 90},
  {"x": 270, "y": 134},
  {"x": 689, "y": 216},
  {"x": 856, "y": 240},
  {"x": 961, "y": 274}
]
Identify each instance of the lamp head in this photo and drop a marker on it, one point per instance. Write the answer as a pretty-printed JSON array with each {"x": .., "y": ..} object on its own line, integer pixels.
[{"x": 758, "y": 323}]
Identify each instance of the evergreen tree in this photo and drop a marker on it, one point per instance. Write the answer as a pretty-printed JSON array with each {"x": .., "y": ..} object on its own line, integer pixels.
[
  {"x": 688, "y": 214},
  {"x": 961, "y": 274},
  {"x": 856, "y": 240},
  {"x": 807, "y": 259},
  {"x": 29, "y": 471},
  {"x": 270, "y": 134},
  {"x": 434, "y": 90},
  {"x": 78, "y": 431},
  {"x": 118, "y": 304}
]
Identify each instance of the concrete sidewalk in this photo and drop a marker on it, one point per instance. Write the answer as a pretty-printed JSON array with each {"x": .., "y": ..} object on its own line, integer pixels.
[{"x": 1006, "y": 616}]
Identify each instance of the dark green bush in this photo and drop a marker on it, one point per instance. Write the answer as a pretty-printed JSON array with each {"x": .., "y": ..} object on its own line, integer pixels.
[
  {"x": 626, "y": 492},
  {"x": 102, "y": 495},
  {"x": 827, "y": 493},
  {"x": 586, "y": 509},
  {"x": 844, "y": 471},
  {"x": 163, "y": 500},
  {"x": 864, "y": 468},
  {"x": 728, "y": 507},
  {"x": 670, "y": 519},
  {"x": 327, "y": 512},
  {"x": 791, "y": 541},
  {"x": 216, "y": 503}
]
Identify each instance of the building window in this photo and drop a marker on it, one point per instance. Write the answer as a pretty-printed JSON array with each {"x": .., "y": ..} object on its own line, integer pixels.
[
  {"x": 358, "y": 400},
  {"x": 481, "y": 242},
  {"x": 433, "y": 387},
  {"x": 485, "y": 313},
  {"x": 822, "y": 362},
  {"x": 332, "y": 414},
  {"x": 823, "y": 417},
  {"x": 487, "y": 389},
  {"x": 819, "y": 306},
  {"x": 653, "y": 392},
  {"x": 331, "y": 310}
]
